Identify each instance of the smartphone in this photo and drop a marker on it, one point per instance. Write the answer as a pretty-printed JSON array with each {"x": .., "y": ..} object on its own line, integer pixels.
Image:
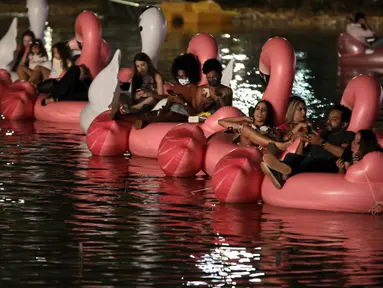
[
  {"x": 309, "y": 130},
  {"x": 171, "y": 92}
]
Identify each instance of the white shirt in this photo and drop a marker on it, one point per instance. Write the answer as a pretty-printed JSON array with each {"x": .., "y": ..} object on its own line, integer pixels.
[
  {"x": 356, "y": 30},
  {"x": 35, "y": 60}
]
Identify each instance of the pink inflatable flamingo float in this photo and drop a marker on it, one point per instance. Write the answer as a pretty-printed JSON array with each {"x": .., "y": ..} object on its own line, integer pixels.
[
  {"x": 107, "y": 137},
  {"x": 20, "y": 100},
  {"x": 361, "y": 188}
]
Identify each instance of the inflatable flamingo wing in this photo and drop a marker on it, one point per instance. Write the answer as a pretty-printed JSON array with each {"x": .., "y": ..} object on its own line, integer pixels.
[
  {"x": 8, "y": 47},
  {"x": 37, "y": 15},
  {"x": 101, "y": 92},
  {"x": 152, "y": 25},
  {"x": 278, "y": 60}
]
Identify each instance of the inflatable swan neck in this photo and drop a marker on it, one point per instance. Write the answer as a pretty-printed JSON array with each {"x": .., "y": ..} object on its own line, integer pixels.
[
  {"x": 37, "y": 15},
  {"x": 88, "y": 31},
  {"x": 365, "y": 109},
  {"x": 278, "y": 60},
  {"x": 8, "y": 46}
]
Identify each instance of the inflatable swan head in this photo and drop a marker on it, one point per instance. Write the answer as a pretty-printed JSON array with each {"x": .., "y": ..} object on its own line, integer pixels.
[
  {"x": 8, "y": 45},
  {"x": 37, "y": 15},
  {"x": 152, "y": 26}
]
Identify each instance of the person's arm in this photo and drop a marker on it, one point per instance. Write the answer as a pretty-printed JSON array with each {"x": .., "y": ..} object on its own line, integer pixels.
[
  {"x": 25, "y": 57},
  {"x": 198, "y": 101},
  {"x": 234, "y": 122},
  {"x": 315, "y": 139},
  {"x": 341, "y": 165},
  {"x": 301, "y": 145},
  {"x": 159, "y": 84}
]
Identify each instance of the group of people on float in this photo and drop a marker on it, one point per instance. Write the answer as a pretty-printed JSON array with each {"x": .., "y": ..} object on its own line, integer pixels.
[
  {"x": 360, "y": 29},
  {"x": 61, "y": 78},
  {"x": 184, "y": 99}
]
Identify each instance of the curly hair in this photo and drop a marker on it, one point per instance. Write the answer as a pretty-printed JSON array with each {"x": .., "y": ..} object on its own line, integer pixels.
[
  {"x": 212, "y": 65},
  {"x": 188, "y": 63}
]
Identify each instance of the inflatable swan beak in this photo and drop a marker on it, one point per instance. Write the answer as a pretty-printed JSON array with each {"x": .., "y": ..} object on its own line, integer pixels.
[
  {"x": 8, "y": 45},
  {"x": 101, "y": 92},
  {"x": 227, "y": 73},
  {"x": 152, "y": 25},
  {"x": 37, "y": 15}
]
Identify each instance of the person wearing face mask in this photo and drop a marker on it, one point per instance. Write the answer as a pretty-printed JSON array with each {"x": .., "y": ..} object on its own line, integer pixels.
[
  {"x": 181, "y": 100},
  {"x": 213, "y": 95},
  {"x": 319, "y": 155}
]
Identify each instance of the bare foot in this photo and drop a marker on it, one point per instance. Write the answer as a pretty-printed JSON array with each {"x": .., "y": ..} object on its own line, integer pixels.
[{"x": 283, "y": 145}]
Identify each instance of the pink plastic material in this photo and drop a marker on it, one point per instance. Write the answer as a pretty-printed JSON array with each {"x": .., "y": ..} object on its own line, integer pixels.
[
  {"x": 351, "y": 51},
  {"x": 205, "y": 47},
  {"x": 278, "y": 60},
  {"x": 60, "y": 112},
  {"x": 182, "y": 151},
  {"x": 362, "y": 186},
  {"x": 88, "y": 31},
  {"x": 108, "y": 137},
  {"x": 125, "y": 74},
  {"x": 18, "y": 101},
  {"x": 146, "y": 142},
  {"x": 240, "y": 171},
  {"x": 363, "y": 97}
]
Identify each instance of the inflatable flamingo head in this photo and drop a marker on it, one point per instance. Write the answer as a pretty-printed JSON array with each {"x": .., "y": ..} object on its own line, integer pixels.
[
  {"x": 348, "y": 45},
  {"x": 37, "y": 15},
  {"x": 363, "y": 95},
  {"x": 278, "y": 61},
  {"x": 8, "y": 45},
  {"x": 204, "y": 47},
  {"x": 152, "y": 26}
]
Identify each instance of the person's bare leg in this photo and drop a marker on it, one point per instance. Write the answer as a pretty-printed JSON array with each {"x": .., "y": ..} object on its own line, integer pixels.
[
  {"x": 152, "y": 117},
  {"x": 23, "y": 72},
  {"x": 46, "y": 72},
  {"x": 147, "y": 101},
  {"x": 256, "y": 138},
  {"x": 36, "y": 76}
]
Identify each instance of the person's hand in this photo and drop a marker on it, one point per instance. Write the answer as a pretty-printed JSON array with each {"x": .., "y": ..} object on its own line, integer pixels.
[
  {"x": 304, "y": 137},
  {"x": 248, "y": 119},
  {"x": 176, "y": 99},
  {"x": 340, "y": 163},
  {"x": 140, "y": 93},
  {"x": 315, "y": 139}
]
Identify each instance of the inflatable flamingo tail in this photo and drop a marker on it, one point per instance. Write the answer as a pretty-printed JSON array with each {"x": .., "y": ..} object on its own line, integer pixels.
[
  {"x": 37, "y": 15},
  {"x": 101, "y": 92},
  {"x": 182, "y": 150},
  {"x": 237, "y": 177},
  {"x": 8, "y": 47}
]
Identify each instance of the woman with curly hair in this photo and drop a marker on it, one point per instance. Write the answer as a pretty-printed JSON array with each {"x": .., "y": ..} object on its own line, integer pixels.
[{"x": 181, "y": 100}]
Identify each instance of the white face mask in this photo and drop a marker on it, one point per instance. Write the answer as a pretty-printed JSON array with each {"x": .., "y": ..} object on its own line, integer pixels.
[{"x": 184, "y": 81}]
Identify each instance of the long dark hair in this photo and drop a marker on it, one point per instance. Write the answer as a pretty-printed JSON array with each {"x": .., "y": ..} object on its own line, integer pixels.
[
  {"x": 188, "y": 63},
  {"x": 270, "y": 112},
  {"x": 64, "y": 52},
  {"x": 136, "y": 78},
  {"x": 368, "y": 142},
  {"x": 39, "y": 43}
]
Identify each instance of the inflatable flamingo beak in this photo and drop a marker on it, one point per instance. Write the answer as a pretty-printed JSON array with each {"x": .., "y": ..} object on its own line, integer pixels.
[
  {"x": 37, "y": 15},
  {"x": 101, "y": 92},
  {"x": 152, "y": 25},
  {"x": 8, "y": 46}
]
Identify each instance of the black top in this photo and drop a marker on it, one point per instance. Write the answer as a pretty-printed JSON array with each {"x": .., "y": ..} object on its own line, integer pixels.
[{"x": 337, "y": 138}]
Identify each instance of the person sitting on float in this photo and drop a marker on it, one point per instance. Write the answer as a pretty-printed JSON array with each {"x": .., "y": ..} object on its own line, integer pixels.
[
  {"x": 146, "y": 89},
  {"x": 23, "y": 50},
  {"x": 365, "y": 141},
  {"x": 37, "y": 57},
  {"x": 321, "y": 153},
  {"x": 73, "y": 86},
  {"x": 361, "y": 30},
  {"x": 60, "y": 64},
  {"x": 182, "y": 96},
  {"x": 213, "y": 95}
]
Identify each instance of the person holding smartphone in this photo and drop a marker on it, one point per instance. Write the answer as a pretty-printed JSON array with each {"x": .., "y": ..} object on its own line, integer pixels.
[{"x": 181, "y": 99}]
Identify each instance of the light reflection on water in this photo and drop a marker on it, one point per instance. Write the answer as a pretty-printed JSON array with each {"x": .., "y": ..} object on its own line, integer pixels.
[{"x": 75, "y": 220}]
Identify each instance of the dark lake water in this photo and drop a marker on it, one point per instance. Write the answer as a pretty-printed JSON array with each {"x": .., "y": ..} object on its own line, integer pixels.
[{"x": 72, "y": 220}]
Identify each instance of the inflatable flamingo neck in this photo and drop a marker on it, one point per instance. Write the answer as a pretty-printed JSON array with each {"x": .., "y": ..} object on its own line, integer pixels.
[
  {"x": 8, "y": 45},
  {"x": 88, "y": 31},
  {"x": 37, "y": 15},
  {"x": 204, "y": 47},
  {"x": 152, "y": 26},
  {"x": 278, "y": 60},
  {"x": 363, "y": 95}
]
